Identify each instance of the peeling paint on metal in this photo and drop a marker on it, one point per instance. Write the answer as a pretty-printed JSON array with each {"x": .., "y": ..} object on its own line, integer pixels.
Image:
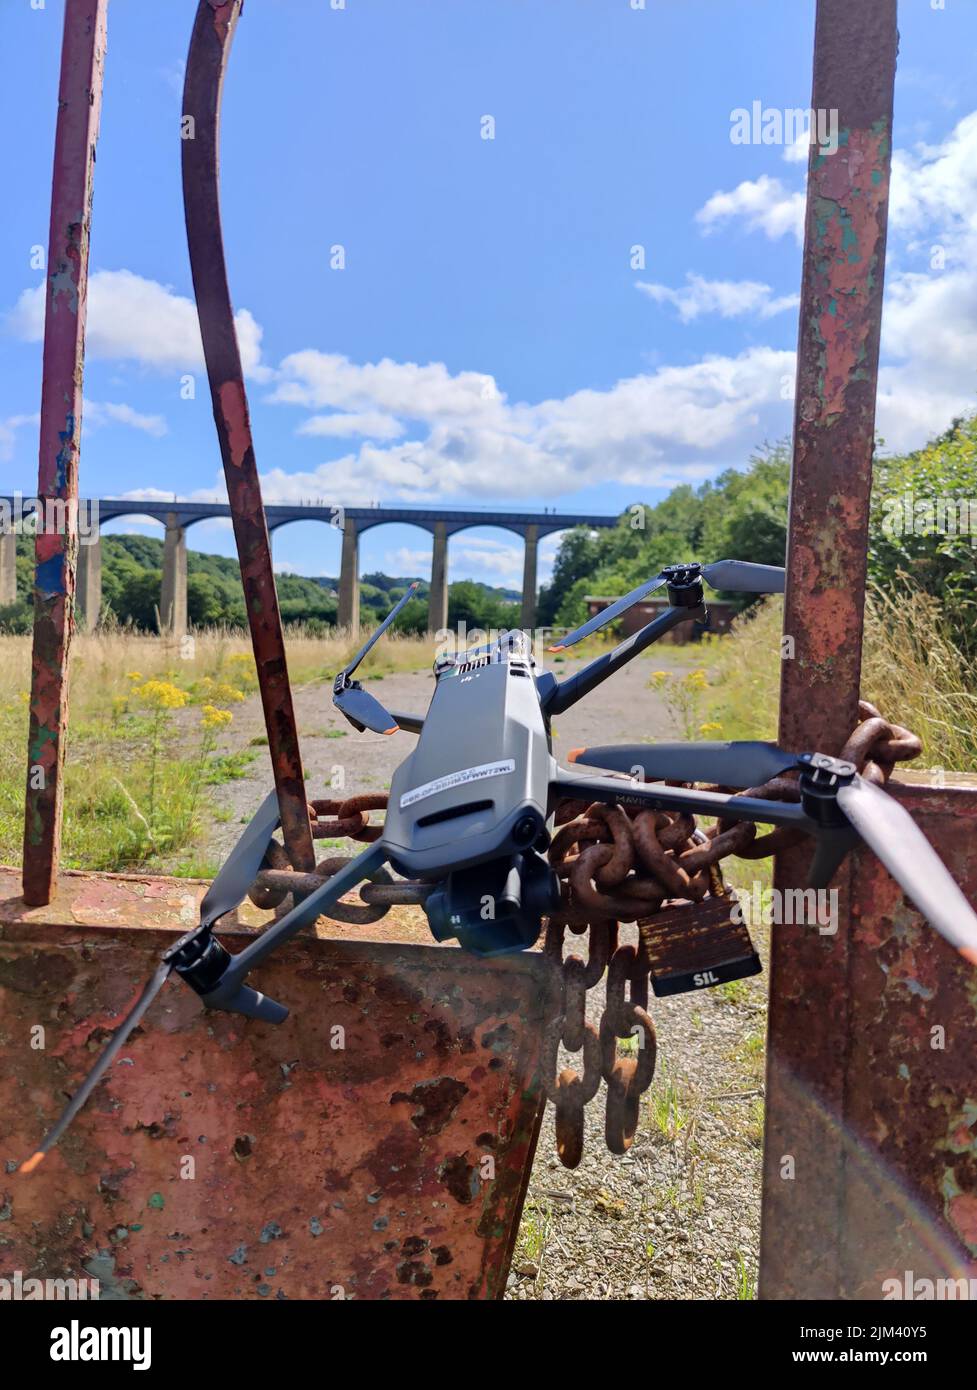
[{"x": 79, "y": 109}]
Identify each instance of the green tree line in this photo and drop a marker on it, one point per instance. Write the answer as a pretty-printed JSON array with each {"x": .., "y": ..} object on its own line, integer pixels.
[
  {"x": 922, "y": 532},
  {"x": 132, "y": 573}
]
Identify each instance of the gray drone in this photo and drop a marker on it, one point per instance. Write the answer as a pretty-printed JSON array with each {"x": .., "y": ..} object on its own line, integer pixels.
[{"x": 471, "y": 807}]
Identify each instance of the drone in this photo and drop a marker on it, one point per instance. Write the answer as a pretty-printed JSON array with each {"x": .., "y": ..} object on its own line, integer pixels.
[{"x": 471, "y": 808}]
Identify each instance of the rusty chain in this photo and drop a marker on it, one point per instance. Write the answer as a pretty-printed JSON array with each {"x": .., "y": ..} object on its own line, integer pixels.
[{"x": 615, "y": 866}]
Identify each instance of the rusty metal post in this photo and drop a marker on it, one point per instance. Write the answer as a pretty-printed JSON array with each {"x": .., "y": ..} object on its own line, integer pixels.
[
  {"x": 210, "y": 46},
  {"x": 834, "y": 426},
  {"x": 56, "y": 544}
]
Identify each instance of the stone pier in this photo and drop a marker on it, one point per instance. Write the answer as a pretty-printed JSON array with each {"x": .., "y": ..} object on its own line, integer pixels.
[
  {"x": 8, "y": 569},
  {"x": 527, "y": 616},
  {"x": 173, "y": 598},
  {"x": 349, "y": 578},
  {"x": 88, "y": 593},
  {"x": 437, "y": 613}
]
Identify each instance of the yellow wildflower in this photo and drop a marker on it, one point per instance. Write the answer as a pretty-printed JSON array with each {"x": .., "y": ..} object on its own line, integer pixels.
[
  {"x": 214, "y": 718},
  {"x": 161, "y": 695},
  {"x": 710, "y": 728},
  {"x": 228, "y": 693}
]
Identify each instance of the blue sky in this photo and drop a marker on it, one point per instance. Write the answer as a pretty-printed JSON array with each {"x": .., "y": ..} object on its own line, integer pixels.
[{"x": 489, "y": 341}]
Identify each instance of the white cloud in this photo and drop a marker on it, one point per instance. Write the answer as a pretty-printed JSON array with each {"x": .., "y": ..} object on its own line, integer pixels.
[
  {"x": 406, "y": 561},
  {"x": 798, "y": 151},
  {"x": 929, "y": 320},
  {"x": 934, "y": 187},
  {"x": 132, "y": 319},
  {"x": 653, "y": 429},
  {"x": 97, "y": 413},
  {"x": 8, "y": 432},
  {"x": 728, "y": 298},
  {"x": 327, "y": 379},
  {"x": 762, "y": 204},
  {"x": 368, "y": 424}
]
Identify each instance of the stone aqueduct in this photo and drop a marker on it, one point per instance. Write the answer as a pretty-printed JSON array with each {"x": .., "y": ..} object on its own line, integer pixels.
[{"x": 177, "y": 517}]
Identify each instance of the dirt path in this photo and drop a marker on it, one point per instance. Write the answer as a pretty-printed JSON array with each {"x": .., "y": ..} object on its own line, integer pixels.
[{"x": 678, "y": 1216}]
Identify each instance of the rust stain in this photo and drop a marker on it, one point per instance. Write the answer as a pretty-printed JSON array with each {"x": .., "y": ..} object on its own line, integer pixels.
[
  {"x": 388, "y": 1195},
  {"x": 224, "y": 16},
  {"x": 234, "y": 410}
]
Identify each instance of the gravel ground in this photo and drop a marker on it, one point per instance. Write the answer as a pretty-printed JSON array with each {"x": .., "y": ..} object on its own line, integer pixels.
[{"x": 678, "y": 1216}]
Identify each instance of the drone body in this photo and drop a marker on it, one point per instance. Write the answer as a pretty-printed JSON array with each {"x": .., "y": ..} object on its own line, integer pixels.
[{"x": 468, "y": 807}]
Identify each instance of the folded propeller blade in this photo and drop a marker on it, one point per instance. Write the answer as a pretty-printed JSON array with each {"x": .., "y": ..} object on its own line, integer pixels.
[
  {"x": 742, "y": 577},
  {"x": 357, "y": 704},
  {"x": 890, "y": 831},
  {"x": 224, "y": 894},
  {"x": 362, "y": 708},
  {"x": 744, "y": 764},
  {"x": 401, "y": 603},
  {"x": 241, "y": 866},
  {"x": 607, "y": 615},
  {"x": 115, "y": 1046}
]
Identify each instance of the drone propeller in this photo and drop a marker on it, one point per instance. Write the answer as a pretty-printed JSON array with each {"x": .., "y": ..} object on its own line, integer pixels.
[
  {"x": 745, "y": 764},
  {"x": 734, "y": 576},
  {"x": 744, "y": 577},
  {"x": 223, "y": 895},
  {"x": 871, "y": 813},
  {"x": 890, "y": 831},
  {"x": 361, "y": 708}
]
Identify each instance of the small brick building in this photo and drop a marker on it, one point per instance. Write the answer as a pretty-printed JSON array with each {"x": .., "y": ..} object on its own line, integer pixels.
[{"x": 721, "y": 615}]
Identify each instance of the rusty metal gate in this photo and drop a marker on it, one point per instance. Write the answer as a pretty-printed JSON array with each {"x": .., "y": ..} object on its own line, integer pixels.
[{"x": 395, "y": 1165}]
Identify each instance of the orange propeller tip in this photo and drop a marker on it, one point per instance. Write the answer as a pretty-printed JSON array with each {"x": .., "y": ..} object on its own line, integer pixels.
[
  {"x": 574, "y": 754},
  {"x": 969, "y": 953},
  {"x": 31, "y": 1163},
  {"x": 558, "y": 648},
  {"x": 394, "y": 730}
]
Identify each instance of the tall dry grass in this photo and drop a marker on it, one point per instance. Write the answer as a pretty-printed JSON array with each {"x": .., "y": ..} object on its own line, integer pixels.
[
  {"x": 136, "y": 776},
  {"x": 911, "y": 670}
]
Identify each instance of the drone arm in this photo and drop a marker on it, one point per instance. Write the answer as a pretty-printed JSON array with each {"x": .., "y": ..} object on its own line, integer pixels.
[
  {"x": 568, "y": 692},
  {"x": 229, "y": 991},
  {"x": 659, "y": 797},
  {"x": 834, "y": 844},
  {"x": 410, "y": 723}
]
